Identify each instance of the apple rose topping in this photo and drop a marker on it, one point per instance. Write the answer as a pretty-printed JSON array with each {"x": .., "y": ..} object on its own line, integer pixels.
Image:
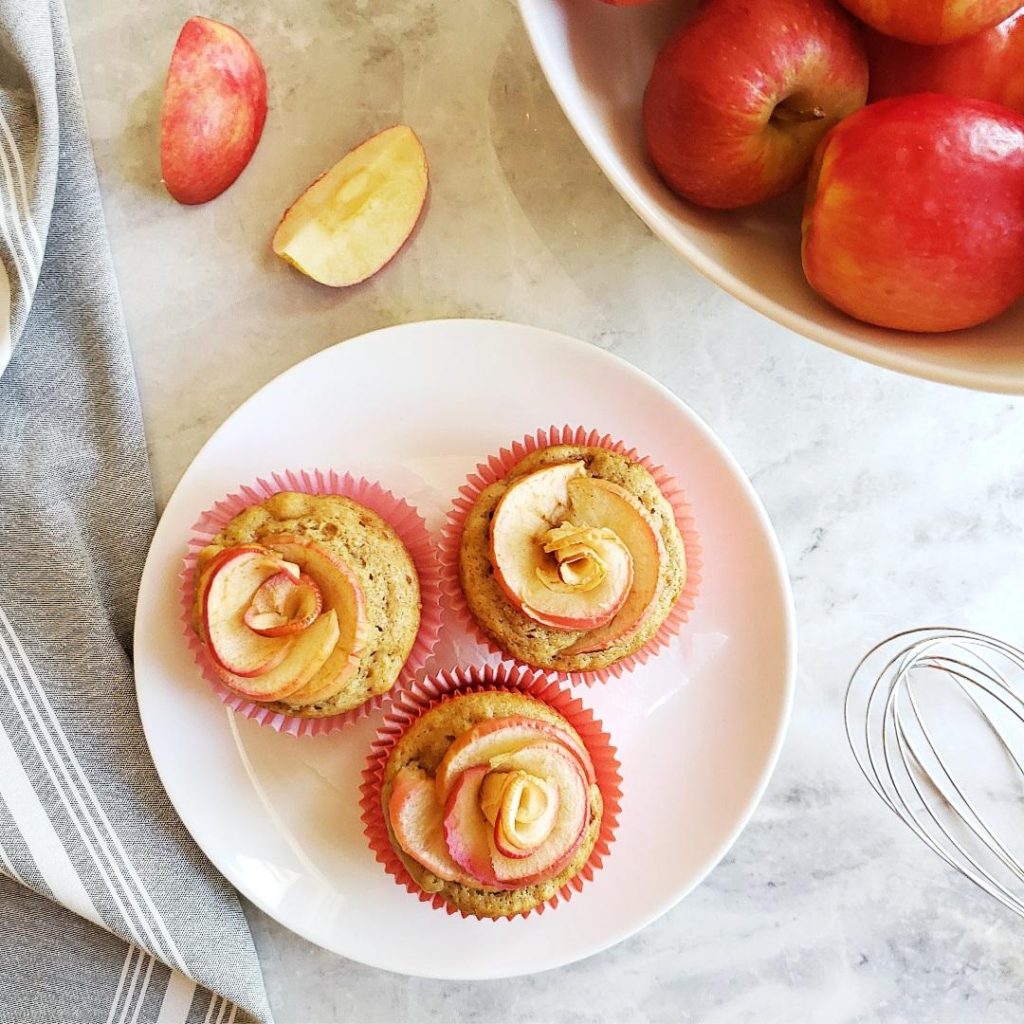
[
  {"x": 508, "y": 806},
  {"x": 285, "y": 624}
]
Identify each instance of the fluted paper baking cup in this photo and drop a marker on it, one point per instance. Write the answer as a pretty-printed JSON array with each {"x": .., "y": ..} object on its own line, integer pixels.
[
  {"x": 396, "y": 512},
  {"x": 498, "y": 466},
  {"x": 423, "y": 695}
]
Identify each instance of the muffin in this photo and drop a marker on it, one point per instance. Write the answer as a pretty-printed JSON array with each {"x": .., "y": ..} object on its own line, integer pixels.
[
  {"x": 491, "y": 802},
  {"x": 572, "y": 560},
  {"x": 307, "y": 604}
]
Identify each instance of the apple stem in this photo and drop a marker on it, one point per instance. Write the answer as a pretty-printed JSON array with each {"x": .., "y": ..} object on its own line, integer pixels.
[{"x": 790, "y": 116}]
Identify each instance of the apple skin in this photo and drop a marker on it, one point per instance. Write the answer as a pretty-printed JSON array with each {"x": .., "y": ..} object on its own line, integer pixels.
[
  {"x": 931, "y": 22},
  {"x": 743, "y": 92},
  {"x": 214, "y": 108},
  {"x": 914, "y": 217},
  {"x": 984, "y": 67}
]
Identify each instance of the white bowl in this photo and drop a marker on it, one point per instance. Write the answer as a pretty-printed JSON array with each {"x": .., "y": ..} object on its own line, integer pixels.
[{"x": 597, "y": 59}]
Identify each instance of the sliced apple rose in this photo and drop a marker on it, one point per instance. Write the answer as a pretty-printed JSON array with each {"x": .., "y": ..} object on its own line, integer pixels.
[
  {"x": 355, "y": 217},
  {"x": 284, "y": 605},
  {"x": 558, "y": 575},
  {"x": 340, "y": 590},
  {"x": 508, "y": 807},
  {"x": 226, "y": 595}
]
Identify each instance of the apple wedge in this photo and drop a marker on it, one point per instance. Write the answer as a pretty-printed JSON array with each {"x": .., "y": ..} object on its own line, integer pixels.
[
  {"x": 307, "y": 652},
  {"x": 597, "y": 501},
  {"x": 355, "y": 217},
  {"x": 495, "y": 737},
  {"x": 341, "y": 592},
  {"x": 232, "y": 582},
  {"x": 534, "y": 505},
  {"x": 417, "y": 820},
  {"x": 215, "y": 104}
]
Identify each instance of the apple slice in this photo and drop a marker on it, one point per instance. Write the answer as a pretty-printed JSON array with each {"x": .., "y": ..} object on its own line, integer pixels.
[
  {"x": 342, "y": 592},
  {"x": 284, "y": 605},
  {"x": 467, "y": 833},
  {"x": 417, "y": 820},
  {"x": 523, "y": 809},
  {"x": 601, "y": 502},
  {"x": 305, "y": 656},
  {"x": 355, "y": 217},
  {"x": 494, "y": 737},
  {"x": 534, "y": 505},
  {"x": 232, "y": 583},
  {"x": 215, "y": 104}
]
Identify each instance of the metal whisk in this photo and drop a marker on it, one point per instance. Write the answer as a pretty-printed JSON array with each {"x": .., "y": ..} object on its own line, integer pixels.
[{"x": 933, "y": 716}]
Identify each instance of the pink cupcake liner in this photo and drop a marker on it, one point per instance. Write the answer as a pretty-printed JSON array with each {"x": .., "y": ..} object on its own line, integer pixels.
[
  {"x": 499, "y": 466},
  {"x": 396, "y": 512},
  {"x": 428, "y": 693}
]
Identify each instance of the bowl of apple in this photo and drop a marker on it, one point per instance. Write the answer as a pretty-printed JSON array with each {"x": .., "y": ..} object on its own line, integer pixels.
[{"x": 853, "y": 171}]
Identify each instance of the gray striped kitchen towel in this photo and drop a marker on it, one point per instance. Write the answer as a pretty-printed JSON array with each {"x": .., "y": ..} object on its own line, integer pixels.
[{"x": 108, "y": 912}]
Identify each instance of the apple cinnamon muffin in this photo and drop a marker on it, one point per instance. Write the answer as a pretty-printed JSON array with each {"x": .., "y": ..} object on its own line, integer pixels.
[
  {"x": 491, "y": 801},
  {"x": 309, "y": 604},
  {"x": 573, "y": 560}
]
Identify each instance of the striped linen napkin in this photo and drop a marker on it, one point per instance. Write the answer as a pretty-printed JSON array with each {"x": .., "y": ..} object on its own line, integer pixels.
[{"x": 108, "y": 912}]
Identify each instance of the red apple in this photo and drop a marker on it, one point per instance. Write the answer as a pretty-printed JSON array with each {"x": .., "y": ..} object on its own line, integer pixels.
[
  {"x": 914, "y": 216},
  {"x": 215, "y": 103},
  {"x": 988, "y": 66},
  {"x": 740, "y": 96},
  {"x": 931, "y": 22}
]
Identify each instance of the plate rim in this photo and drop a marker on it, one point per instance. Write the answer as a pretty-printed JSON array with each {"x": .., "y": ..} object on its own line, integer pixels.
[
  {"x": 790, "y": 641},
  {"x": 893, "y": 359}
]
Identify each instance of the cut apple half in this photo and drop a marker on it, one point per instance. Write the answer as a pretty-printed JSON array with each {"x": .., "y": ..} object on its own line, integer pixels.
[
  {"x": 233, "y": 580},
  {"x": 284, "y": 605},
  {"x": 527, "y": 520},
  {"x": 355, "y": 217},
  {"x": 417, "y": 820},
  {"x": 341, "y": 592},
  {"x": 495, "y": 737},
  {"x": 306, "y": 654},
  {"x": 600, "y": 502}
]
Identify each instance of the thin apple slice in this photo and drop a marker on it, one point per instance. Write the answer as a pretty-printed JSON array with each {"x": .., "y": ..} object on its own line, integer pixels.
[
  {"x": 284, "y": 605},
  {"x": 526, "y": 813},
  {"x": 342, "y": 592},
  {"x": 226, "y": 596},
  {"x": 417, "y": 820},
  {"x": 306, "y": 655},
  {"x": 355, "y": 217},
  {"x": 467, "y": 833},
  {"x": 600, "y": 502},
  {"x": 494, "y": 737}
]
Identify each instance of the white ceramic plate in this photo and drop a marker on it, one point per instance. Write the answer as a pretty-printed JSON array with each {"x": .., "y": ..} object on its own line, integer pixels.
[
  {"x": 597, "y": 59},
  {"x": 698, "y": 728}
]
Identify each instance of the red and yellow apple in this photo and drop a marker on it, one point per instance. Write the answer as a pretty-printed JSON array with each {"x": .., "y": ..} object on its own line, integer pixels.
[
  {"x": 215, "y": 104},
  {"x": 986, "y": 66},
  {"x": 931, "y": 22},
  {"x": 743, "y": 92},
  {"x": 914, "y": 217},
  {"x": 355, "y": 217}
]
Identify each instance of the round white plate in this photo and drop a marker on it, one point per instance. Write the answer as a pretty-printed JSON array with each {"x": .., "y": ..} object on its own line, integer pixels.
[
  {"x": 597, "y": 60},
  {"x": 698, "y": 728}
]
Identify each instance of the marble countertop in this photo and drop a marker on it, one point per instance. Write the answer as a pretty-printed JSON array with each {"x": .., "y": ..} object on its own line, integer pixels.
[{"x": 898, "y": 502}]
